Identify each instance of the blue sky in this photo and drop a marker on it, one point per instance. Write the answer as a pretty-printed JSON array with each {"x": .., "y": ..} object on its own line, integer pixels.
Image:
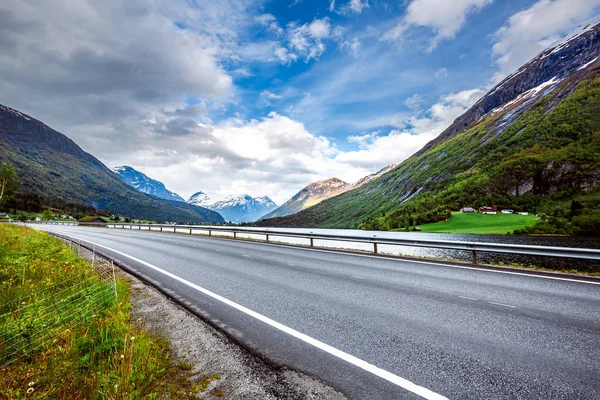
[{"x": 264, "y": 97}]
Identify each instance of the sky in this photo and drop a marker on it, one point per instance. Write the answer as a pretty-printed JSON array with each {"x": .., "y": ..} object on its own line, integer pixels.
[{"x": 264, "y": 97}]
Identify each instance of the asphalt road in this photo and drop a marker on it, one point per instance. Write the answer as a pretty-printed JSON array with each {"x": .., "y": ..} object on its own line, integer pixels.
[{"x": 377, "y": 328}]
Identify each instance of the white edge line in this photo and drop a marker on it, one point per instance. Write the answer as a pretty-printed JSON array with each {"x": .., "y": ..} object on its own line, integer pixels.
[
  {"x": 413, "y": 261},
  {"x": 468, "y": 298},
  {"x": 503, "y": 305},
  {"x": 388, "y": 376}
]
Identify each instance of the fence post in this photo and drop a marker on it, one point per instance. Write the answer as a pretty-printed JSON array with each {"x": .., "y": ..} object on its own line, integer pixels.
[
  {"x": 112, "y": 264},
  {"x": 474, "y": 257},
  {"x": 374, "y": 248},
  {"x": 93, "y": 255}
]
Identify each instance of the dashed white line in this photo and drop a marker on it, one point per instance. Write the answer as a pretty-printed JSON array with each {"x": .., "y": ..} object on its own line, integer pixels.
[
  {"x": 468, "y": 298},
  {"x": 357, "y": 277},
  {"x": 503, "y": 305},
  {"x": 364, "y": 365},
  {"x": 246, "y": 255}
]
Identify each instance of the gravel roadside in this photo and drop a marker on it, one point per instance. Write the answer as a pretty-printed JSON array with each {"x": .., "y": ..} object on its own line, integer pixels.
[{"x": 221, "y": 369}]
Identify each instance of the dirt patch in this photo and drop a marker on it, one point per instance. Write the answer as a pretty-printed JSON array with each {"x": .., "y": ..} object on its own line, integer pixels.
[{"x": 220, "y": 368}]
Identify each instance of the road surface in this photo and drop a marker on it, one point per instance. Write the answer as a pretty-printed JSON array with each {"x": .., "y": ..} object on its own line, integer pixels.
[{"x": 379, "y": 328}]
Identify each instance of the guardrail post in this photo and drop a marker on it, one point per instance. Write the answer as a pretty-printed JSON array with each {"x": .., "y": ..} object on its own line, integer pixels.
[
  {"x": 267, "y": 238},
  {"x": 161, "y": 228},
  {"x": 139, "y": 227},
  {"x": 190, "y": 231},
  {"x": 209, "y": 232},
  {"x": 234, "y": 234},
  {"x": 174, "y": 230},
  {"x": 374, "y": 248},
  {"x": 474, "y": 257},
  {"x": 312, "y": 242}
]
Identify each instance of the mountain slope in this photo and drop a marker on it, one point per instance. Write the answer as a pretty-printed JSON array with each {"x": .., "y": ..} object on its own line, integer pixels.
[
  {"x": 532, "y": 143},
  {"x": 50, "y": 164},
  {"x": 318, "y": 191},
  {"x": 309, "y": 196},
  {"x": 244, "y": 208},
  {"x": 145, "y": 184}
]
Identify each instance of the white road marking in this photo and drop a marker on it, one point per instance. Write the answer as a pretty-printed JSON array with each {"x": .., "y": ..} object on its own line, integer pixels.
[
  {"x": 468, "y": 298},
  {"x": 503, "y": 305},
  {"x": 364, "y": 365},
  {"x": 291, "y": 265},
  {"x": 246, "y": 255},
  {"x": 357, "y": 277}
]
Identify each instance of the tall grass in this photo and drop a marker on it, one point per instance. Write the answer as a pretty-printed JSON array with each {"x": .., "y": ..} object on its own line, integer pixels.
[{"x": 96, "y": 352}]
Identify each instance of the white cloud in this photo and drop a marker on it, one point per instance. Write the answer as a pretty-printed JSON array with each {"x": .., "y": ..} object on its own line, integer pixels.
[
  {"x": 414, "y": 102},
  {"x": 445, "y": 18},
  {"x": 270, "y": 22},
  {"x": 441, "y": 73},
  {"x": 400, "y": 144},
  {"x": 307, "y": 40},
  {"x": 331, "y": 5},
  {"x": 274, "y": 156},
  {"x": 357, "y": 6},
  {"x": 270, "y": 95},
  {"x": 364, "y": 140},
  {"x": 529, "y": 31},
  {"x": 352, "y": 46}
]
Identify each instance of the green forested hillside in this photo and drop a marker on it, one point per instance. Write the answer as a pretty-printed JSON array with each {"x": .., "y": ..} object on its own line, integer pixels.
[{"x": 545, "y": 160}]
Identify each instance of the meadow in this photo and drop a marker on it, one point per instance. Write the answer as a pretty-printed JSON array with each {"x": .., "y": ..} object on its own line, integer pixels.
[{"x": 480, "y": 223}]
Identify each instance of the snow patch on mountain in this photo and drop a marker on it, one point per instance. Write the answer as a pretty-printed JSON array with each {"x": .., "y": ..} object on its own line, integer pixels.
[
  {"x": 145, "y": 184},
  {"x": 200, "y": 199}
]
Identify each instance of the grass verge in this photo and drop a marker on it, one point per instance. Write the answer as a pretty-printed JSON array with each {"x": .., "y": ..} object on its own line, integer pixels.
[
  {"x": 480, "y": 223},
  {"x": 101, "y": 355}
]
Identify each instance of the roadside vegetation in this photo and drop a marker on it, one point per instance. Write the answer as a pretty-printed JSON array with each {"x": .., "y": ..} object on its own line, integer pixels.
[
  {"x": 102, "y": 356},
  {"x": 481, "y": 223}
]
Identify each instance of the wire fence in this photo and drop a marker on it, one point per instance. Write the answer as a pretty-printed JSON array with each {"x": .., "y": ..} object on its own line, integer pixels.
[{"x": 31, "y": 322}]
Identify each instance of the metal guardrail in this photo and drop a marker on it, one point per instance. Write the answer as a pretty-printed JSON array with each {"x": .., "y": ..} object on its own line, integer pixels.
[{"x": 474, "y": 247}]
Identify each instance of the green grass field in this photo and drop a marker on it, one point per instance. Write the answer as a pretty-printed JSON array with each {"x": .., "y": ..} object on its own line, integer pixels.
[{"x": 480, "y": 223}]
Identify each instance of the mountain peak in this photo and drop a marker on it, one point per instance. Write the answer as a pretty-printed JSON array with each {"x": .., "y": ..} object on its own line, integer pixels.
[{"x": 145, "y": 184}]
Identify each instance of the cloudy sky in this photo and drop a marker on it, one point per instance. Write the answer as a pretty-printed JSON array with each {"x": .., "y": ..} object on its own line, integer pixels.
[{"x": 263, "y": 97}]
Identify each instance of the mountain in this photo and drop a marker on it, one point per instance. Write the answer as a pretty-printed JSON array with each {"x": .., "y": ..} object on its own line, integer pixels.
[
  {"x": 52, "y": 165},
  {"x": 199, "y": 199},
  {"x": 309, "y": 196},
  {"x": 318, "y": 191},
  {"x": 244, "y": 208},
  {"x": 144, "y": 184},
  {"x": 532, "y": 143}
]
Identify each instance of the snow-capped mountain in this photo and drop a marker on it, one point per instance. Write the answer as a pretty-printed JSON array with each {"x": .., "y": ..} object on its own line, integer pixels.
[
  {"x": 318, "y": 191},
  {"x": 199, "y": 199},
  {"x": 244, "y": 208},
  {"x": 145, "y": 184}
]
